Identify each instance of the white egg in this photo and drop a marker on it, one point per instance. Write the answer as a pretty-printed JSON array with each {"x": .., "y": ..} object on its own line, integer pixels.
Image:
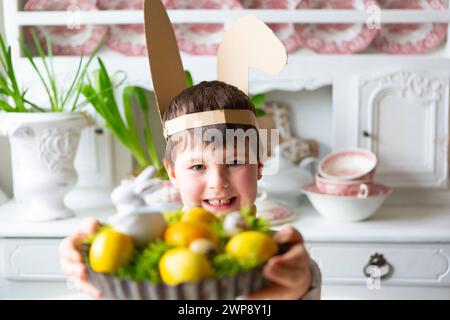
[
  {"x": 203, "y": 246},
  {"x": 234, "y": 223}
]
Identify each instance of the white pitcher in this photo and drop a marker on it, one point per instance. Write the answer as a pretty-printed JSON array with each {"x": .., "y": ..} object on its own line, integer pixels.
[{"x": 283, "y": 179}]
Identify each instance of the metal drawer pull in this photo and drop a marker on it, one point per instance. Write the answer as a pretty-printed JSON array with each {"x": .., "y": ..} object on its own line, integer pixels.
[{"x": 377, "y": 263}]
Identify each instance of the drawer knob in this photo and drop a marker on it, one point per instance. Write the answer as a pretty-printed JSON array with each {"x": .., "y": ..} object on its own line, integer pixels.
[{"x": 378, "y": 262}]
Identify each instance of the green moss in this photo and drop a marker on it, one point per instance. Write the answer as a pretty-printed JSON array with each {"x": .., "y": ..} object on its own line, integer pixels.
[
  {"x": 255, "y": 223},
  {"x": 145, "y": 263},
  {"x": 173, "y": 216}
]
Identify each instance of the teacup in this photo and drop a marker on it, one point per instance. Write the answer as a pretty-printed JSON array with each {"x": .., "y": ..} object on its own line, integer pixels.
[
  {"x": 360, "y": 188},
  {"x": 348, "y": 165}
]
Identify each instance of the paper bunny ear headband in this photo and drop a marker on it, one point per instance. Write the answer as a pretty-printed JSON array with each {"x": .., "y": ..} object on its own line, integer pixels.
[{"x": 249, "y": 42}]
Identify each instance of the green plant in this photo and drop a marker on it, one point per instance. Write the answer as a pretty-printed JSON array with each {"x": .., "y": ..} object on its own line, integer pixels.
[
  {"x": 58, "y": 97},
  {"x": 257, "y": 100},
  {"x": 9, "y": 86},
  {"x": 100, "y": 92}
]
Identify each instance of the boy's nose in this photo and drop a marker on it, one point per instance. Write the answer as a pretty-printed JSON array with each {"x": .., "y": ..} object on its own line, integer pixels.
[{"x": 218, "y": 179}]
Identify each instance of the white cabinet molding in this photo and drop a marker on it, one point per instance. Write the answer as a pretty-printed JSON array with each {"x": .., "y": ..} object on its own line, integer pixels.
[{"x": 404, "y": 119}]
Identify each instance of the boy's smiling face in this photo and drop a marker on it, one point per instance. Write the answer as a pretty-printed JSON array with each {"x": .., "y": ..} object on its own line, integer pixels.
[{"x": 214, "y": 185}]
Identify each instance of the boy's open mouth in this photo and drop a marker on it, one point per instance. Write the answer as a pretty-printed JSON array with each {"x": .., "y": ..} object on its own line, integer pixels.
[{"x": 220, "y": 204}]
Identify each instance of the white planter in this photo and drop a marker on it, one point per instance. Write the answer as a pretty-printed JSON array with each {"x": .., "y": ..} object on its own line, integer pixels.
[{"x": 43, "y": 149}]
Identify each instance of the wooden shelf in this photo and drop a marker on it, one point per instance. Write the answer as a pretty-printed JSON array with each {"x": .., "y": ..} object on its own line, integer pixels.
[
  {"x": 23, "y": 18},
  {"x": 305, "y": 70}
]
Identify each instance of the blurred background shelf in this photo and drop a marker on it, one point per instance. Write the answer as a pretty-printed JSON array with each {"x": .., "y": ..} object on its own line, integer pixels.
[{"x": 226, "y": 16}]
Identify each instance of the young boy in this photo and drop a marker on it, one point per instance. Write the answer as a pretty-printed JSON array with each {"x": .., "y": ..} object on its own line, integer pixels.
[{"x": 220, "y": 178}]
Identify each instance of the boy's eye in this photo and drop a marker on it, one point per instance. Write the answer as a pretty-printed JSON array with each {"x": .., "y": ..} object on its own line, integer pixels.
[{"x": 198, "y": 167}]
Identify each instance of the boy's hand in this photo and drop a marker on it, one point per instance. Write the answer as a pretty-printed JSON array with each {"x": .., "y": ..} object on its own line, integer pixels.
[
  {"x": 289, "y": 273},
  {"x": 71, "y": 259}
]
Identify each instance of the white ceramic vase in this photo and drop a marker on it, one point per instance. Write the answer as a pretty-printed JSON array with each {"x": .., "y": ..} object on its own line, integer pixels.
[{"x": 43, "y": 149}]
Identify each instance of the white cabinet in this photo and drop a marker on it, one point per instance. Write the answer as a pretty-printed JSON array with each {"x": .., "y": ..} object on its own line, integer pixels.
[{"x": 404, "y": 119}]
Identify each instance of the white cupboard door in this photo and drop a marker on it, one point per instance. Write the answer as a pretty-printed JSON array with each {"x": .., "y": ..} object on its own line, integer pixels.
[{"x": 404, "y": 120}]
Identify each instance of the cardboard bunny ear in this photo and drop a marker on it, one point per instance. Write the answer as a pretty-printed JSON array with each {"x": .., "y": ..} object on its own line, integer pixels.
[
  {"x": 247, "y": 43},
  {"x": 163, "y": 54}
]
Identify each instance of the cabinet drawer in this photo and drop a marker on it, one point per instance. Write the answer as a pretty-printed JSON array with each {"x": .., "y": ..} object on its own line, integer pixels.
[
  {"x": 411, "y": 264},
  {"x": 30, "y": 259}
]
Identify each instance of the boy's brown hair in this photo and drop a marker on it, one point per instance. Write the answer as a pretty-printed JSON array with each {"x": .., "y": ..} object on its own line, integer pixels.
[{"x": 205, "y": 96}]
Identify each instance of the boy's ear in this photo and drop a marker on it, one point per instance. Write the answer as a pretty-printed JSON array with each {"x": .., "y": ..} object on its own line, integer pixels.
[
  {"x": 171, "y": 173},
  {"x": 260, "y": 169}
]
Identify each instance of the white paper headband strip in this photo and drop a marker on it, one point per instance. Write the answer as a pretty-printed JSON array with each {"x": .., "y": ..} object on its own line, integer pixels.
[{"x": 208, "y": 118}]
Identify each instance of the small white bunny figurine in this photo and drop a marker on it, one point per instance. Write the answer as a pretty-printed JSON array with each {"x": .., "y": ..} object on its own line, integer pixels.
[
  {"x": 129, "y": 195},
  {"x": 134, "y": 217}
]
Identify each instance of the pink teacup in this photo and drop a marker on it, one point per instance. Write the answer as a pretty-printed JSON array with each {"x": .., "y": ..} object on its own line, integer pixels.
[
  {"x": 359, "y": 188},
  {"x": 348, "y": 165}
]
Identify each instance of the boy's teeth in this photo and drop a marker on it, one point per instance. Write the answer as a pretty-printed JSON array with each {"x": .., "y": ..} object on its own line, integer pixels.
[{"x": 217, "y": 202}]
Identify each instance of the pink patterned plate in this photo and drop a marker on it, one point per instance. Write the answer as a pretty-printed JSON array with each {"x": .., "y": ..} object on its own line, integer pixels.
[
  {"x": 200, "y": 39},
  {"x": 336, "y": 38},
  {"x": 284, "y": 31},
  {"x": 274, "y": 212},
  {"x": 66, "y": 41},
  {"x": 411, "y": 38},
  {"x": 128, "y": 39}
]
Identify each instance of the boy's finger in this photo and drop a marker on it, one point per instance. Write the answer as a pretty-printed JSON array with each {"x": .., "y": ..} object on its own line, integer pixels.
[
  {"x": 288, "y": 234},
  {"x": 68, "y": 249},
  {"x": 88, "y": 226},
  {"x": 284, "y": 276},
  {"x": 295, "y": 257}
]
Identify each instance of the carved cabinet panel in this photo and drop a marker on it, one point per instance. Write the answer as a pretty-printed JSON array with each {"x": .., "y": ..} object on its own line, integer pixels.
[{"x": 404, "y": 119}]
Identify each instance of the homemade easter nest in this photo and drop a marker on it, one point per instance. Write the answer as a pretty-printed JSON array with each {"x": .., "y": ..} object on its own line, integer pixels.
[
  {"x": 226, "y": 288},
  {"x": 122, "y": 286}
]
